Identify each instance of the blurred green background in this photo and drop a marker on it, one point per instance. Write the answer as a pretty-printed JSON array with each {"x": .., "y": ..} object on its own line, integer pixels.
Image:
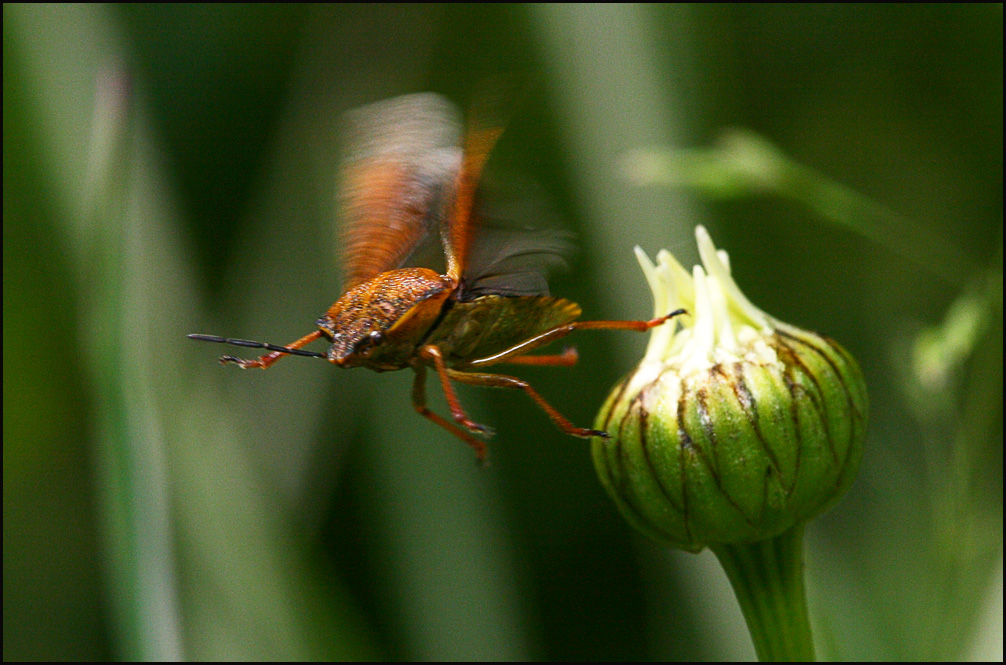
[{"x": 171, "y": 169}]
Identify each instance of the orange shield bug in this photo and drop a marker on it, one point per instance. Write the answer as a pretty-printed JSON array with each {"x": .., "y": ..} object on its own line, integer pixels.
[{"x": 404, "y": 178}]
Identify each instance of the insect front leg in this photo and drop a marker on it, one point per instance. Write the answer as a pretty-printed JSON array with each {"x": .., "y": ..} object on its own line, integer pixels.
[
  {"x": 419, "y": 404},
  {"x": 433, "y": 355}
]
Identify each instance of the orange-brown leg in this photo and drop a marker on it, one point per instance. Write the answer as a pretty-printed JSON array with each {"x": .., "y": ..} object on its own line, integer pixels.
[
  {"x": 639, "y": 326},
  {"x": 559, "y": 332},
  {"x": 567, "y": 358},
  {"x": 432, "y": 354},
  {"x": 269, "y": 358},
  {"x": 419, "y": 404},
  {"x": 503, "y": 381}
]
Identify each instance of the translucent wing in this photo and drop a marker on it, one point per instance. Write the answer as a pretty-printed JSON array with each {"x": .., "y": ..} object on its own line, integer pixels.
[
  {"x": 401, "y": 166},
  {"x": 514, "y": 262}
]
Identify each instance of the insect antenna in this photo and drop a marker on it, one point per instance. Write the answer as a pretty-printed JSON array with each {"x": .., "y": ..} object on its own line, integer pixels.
[{"x": 256, "y": 345}]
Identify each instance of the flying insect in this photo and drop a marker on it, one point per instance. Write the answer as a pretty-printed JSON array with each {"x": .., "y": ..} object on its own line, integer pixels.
[{"x": 405, "y": 178}]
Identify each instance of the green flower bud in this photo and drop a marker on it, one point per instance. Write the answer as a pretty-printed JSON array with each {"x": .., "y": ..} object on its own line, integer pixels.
[{"x": 735, "y": 427}]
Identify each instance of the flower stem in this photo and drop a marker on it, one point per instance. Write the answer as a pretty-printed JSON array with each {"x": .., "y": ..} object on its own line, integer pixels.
[{"x": 767, "y": 577}]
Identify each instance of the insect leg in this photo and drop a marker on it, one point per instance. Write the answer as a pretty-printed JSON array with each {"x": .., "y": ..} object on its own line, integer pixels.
[
  {"x": 518, "y": 350},
  {"x": 432, "y": 354},
  {"x": 269, "y": 358},
  {"x": 567, "y": 358},
  {"x": 419, "y": 404},
  {"x": 639, "y": 326},
  {"x": 503, "y": 381}
]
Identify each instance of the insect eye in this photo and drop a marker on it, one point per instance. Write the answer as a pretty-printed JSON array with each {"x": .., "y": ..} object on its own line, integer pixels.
[{"x": 369, "y": 342}]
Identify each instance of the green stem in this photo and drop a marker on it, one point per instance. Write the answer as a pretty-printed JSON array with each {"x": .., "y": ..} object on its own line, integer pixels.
[{"x": 767, "y": 577}]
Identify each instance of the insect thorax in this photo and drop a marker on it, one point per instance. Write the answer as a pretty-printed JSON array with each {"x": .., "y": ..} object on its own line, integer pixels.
[{"x": 379, "y": 322}]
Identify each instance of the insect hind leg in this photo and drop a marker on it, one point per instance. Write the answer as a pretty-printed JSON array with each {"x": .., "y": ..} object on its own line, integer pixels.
[
  {"x": 433, "y": 355},
  {"x": 504, "y": 381}
]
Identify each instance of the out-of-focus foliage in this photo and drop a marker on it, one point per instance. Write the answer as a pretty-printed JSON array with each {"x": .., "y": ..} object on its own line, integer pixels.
[{"x": 170, "y": 169}]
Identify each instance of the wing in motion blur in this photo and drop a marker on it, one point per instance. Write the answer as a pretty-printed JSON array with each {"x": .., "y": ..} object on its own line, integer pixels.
[{"x": 402, "y": 159}]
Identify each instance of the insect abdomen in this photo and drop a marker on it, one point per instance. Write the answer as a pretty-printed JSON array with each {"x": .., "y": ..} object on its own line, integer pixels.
[{"x": 490, "y": 324}]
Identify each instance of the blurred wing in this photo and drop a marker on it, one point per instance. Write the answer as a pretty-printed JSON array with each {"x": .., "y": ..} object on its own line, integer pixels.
[
  {"x": 402, "y": 161},
  {"x": 508, "y": 262}
]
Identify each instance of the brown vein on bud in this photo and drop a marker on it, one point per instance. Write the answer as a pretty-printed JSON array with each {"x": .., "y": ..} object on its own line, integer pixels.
[
  {"x": 858, "y": 415},
  {"x": 793, "y": 360},
  {"x": 603, "y": 466},
  {"x": 850, "y": 402},
  {"x": 793, "y": 386},
  {"x": 851, "y": 363},
  {"x": 749, "y": 403},
  {"x": 687, "y": 449},
  {"x": 645, "y": 445},
  {"x": 621, "y": 455},
  {"x": 621, "y": 391},
  {"x": 707, "y": 427},
  {"x": 612, "y": 447},
  {"x": 706, "y": 422}
]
